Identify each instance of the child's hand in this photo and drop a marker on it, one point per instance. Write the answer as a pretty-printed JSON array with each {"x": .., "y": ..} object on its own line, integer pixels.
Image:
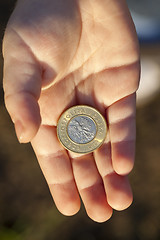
[{"x": 60, "y": 53}]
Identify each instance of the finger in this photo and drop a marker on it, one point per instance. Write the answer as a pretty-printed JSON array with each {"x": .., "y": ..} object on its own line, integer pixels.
[
  {"x": 22, "y": 86},
  {"x": 119, "y": 195},
  {"x": 103, "y": 159},
  {"x": 118, "y": 190},
  {"x": 56, "y": 167},
  {"x": 90, "y": 186},
  {"x": 122, "y": 130}
]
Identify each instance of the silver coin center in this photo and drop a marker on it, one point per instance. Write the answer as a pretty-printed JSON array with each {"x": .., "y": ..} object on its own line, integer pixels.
[{"x": 81, "y": 129}]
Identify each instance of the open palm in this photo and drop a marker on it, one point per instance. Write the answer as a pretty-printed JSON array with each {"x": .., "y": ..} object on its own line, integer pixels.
[{"x": 63, "y": 53}]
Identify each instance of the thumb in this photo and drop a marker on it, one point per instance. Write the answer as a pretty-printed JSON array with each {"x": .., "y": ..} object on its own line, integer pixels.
[{"x": 22, "y": 86}]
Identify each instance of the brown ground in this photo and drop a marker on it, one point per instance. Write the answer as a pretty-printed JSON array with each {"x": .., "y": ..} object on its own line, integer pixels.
[{"x": 26, "y": 208}]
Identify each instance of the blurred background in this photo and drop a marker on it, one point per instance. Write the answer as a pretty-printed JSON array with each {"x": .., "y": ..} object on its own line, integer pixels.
[{"x": 27, "y": 211}]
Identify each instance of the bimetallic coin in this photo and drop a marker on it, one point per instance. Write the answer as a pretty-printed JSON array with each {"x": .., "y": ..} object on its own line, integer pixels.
[{"x": 81, "y": 129}]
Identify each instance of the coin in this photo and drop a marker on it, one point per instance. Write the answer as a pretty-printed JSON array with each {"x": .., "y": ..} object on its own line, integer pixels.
[{"x": 81, "y": 129}]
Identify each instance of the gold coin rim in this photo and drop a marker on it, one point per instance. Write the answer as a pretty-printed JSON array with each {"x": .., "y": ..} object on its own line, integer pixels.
[{"x": 80, "y": 147}]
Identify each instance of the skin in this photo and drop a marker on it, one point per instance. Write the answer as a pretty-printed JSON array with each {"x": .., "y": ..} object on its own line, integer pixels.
[{"x": 61, "y": 53}]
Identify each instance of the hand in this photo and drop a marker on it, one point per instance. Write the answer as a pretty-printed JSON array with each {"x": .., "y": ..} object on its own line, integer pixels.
[{"x": 60, "y": 53}]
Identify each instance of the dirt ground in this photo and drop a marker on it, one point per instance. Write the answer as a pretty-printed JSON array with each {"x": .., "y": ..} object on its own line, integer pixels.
[{"x": 26, "y": 208}]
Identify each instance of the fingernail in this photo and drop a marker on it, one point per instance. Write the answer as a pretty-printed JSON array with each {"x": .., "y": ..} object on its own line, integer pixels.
[{"x": 19, "y": 131}]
